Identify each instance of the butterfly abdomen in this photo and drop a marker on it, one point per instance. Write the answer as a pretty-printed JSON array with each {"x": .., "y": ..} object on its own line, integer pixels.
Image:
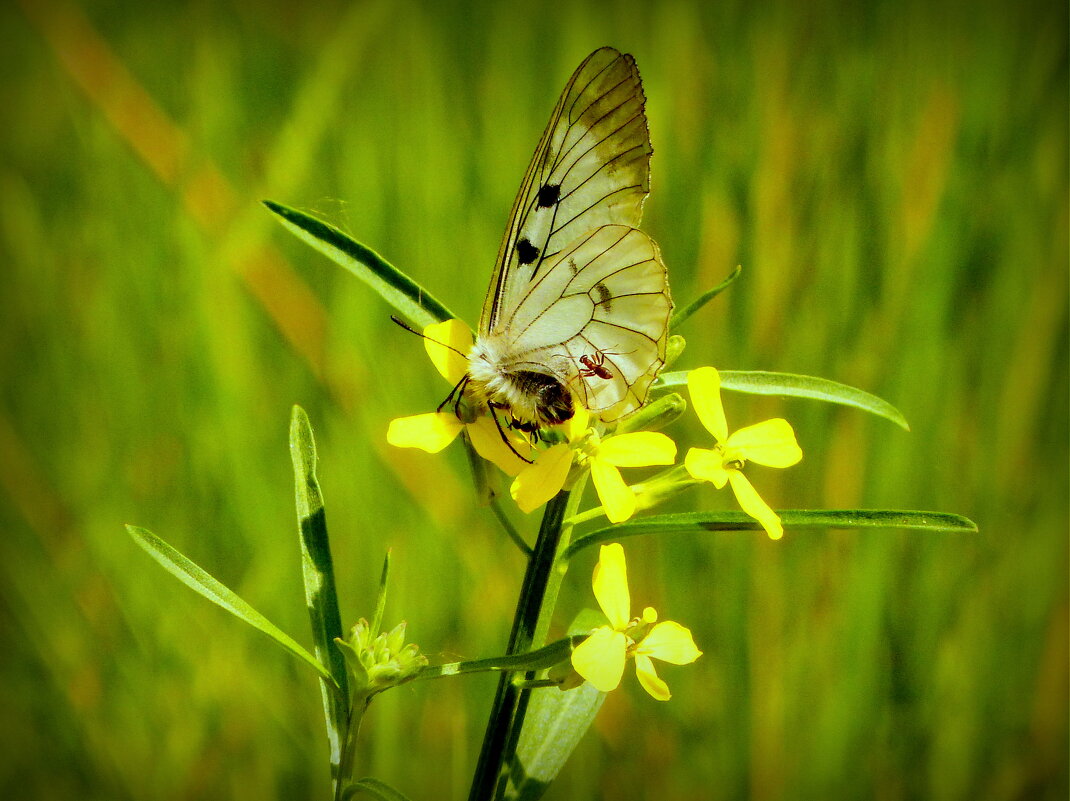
[{"x": 533, "y": 397}]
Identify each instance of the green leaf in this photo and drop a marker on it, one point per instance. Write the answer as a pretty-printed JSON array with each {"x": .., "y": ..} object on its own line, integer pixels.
[
  {"x": 317, "y": 569},
  {"x": 410, "y": 299},
  {"x": 793, "y": 520},
  {"x": 758, "y": 382},
  {"x": 195, "y": 577},
  {"x": 380, "y": 597},
  {"x": 553, "y": 726},
  {"x": 682, "y": 314},
  {"x": 374, "y": 787},
  {"x": 546, "y": 657}
]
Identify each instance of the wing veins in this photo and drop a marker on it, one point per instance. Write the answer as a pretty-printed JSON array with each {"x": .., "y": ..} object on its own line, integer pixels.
[{"x": 591, "y": 127}]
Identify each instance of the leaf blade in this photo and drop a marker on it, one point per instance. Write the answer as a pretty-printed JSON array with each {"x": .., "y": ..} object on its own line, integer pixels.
[
  {"x": 317, "y": 569},
  {"x": 761, "y": 382},
  {"x": 200, "y": 581},
  {"x": 374, "y": 787},
  {"x": 793, "y": 519},
  {"x": 681, "y": 315},
  {"x": 410, "y": 299},
  {"x": 553, "y": 726}
]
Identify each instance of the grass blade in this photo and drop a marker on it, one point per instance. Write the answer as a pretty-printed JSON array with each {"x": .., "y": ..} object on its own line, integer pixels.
[
  {"x": 318, "y": 571},
  {"x": 197, "y": 579},
  {"x": 759, "y": 382},
  {"x": 793, "y": 519},
  {"x": 681, "y": 315},
  {"x": 411, "y": 300}
]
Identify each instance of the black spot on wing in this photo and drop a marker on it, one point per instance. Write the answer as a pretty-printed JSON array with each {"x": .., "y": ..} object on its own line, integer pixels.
[
  {"x": 548, "y": 195},
  {"x": 526, "y": 253}
]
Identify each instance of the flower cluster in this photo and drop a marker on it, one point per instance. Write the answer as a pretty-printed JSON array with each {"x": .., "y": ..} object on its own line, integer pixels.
[
  {"x": 600, "y": 659},
  {"x": 380, "y": 660},
  {"x": 541, "y": 471}
]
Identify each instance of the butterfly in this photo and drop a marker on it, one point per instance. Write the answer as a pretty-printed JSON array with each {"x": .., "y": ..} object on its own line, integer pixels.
[{"x": 578, "y": 303}]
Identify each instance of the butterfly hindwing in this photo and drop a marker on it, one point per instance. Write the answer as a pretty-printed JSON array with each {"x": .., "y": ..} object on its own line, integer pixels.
[
  {"x": 606, "y": 298},
  {"x": 591, "y": 168}
]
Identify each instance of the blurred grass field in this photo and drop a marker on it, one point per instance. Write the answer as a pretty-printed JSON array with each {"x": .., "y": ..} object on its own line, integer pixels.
[{"x": 893, "y": 178}]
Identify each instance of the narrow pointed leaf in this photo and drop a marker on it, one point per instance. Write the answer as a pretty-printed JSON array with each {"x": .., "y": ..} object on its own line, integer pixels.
[
  {"x": 758, "y": 382},
  {"x": 554, "y": 725},
  {"x": 682, "y": 314},
  {"x": 198, "y": 580},
  {"x": 793, "y": 520},
  {"x": 317, "y": 570},
  {"x": 380, "y": 598},
  {"x": 411, "y": 300},
  {"x": 540, "y": 659},
  {"x": 374, "y": 788}
]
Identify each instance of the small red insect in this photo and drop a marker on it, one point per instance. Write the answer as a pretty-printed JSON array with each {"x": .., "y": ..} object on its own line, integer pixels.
[{"x": 594, "y": 366}]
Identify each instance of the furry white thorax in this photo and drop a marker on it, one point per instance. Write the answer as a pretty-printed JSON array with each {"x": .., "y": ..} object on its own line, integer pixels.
[{"x": 492, "y": 374}]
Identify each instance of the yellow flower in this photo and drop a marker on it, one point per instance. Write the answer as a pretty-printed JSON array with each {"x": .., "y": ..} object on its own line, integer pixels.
[
  {"x": 542, "y": 480},
  {"x": 770, "y": 443},
  {"x": 600, "y": 658},
  {"x": 431, "y": 432}
]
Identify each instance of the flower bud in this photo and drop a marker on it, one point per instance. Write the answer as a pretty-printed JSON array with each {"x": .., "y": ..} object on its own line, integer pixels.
[
  {"x": 674, "y": 348},
  {"x": 661, "y": 487},
  {"x": 655, "y": 415},
  {"x": 377, "y": 663}
]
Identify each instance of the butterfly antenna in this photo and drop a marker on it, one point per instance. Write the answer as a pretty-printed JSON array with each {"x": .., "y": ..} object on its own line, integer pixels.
[
  {"x": 422, "y": 335},
  {"x": 455, "y": 396}
]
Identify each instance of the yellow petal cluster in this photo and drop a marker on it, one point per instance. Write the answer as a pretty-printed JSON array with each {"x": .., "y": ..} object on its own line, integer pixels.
[
  {"x": 537, "y": 484},
  {"x": 600, "y": 659},
  {"x": 771, "y": 443}
]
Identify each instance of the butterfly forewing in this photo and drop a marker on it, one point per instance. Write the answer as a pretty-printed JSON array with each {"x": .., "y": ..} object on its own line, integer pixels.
[{"x": 591, "y": 168}]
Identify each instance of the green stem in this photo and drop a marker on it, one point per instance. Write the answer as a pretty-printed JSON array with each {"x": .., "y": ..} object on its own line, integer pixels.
[
  {"x": 531, "y": 624},
  {"x": 493, "y": 751},
  {"x": 554, "y": 579},
  {"x": 347, "y": 760}
]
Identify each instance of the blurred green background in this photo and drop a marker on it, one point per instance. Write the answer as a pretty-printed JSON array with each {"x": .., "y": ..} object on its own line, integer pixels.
[{"x": 891, "y": 176}]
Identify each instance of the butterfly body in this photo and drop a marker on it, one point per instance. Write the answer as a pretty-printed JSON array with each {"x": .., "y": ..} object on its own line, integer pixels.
[
  {"x": 574, "y": 275},
  {"x": 521, "y": 383}
]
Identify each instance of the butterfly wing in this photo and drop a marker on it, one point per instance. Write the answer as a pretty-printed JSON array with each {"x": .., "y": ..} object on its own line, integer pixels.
[
  {"x": 607, "y": 294},
  {"x": 591, "y": 168}
]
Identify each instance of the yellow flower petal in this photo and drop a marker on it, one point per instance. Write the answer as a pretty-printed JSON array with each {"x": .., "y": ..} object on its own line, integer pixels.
[
  {"x": 648, "y": 677},
  {"x": 752, "y": 503},
  {"x": 706, "y": 465},
  {"x": 617, "y": 498},
  {"x": 670, "y": 642},
  {"x": 600, "y": 658},
  {"x": 638, "y": 449},
  {"x": 610, "y": 584},
  {"x": 430, "y": 432},
  {"x": 577, "y": 425},
  {"x": 488, "y": 442},
  {"x": 770, "y": 442},
  {"x": 539, "y": 482},
  {"x": 452, "y": 333},
  {"x": 704, "y": 386}
]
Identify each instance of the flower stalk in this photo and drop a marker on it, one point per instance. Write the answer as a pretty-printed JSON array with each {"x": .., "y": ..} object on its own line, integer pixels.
[{"x": 531, "y": 623}]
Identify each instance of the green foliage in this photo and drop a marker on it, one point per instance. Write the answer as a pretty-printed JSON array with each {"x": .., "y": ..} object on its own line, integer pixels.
[
  {"x": 199, "y": 580},
  {"x": 317, "y": 570},
  {"x": 788, "y": 385},
  {"x": 396, "y": 288},
  {"x": 892, "y": 179}
]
